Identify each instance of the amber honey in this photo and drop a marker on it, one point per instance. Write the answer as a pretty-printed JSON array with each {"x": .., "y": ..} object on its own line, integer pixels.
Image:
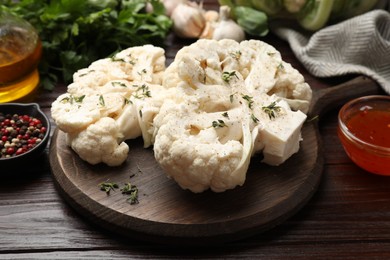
[
  {"x": 20, "y": 52},
  {"x": 365, "y": 133}
]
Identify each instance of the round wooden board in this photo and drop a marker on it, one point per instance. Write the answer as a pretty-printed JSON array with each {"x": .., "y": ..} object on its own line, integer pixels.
[{"x": 167, "y": 214}]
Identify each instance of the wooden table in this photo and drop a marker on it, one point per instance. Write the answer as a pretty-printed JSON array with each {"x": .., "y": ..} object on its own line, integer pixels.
[{"x": 347, "y": 218}]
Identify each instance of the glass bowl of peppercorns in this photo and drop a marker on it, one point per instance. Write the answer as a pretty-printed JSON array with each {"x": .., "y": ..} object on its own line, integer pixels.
[{"x": 25, "y": 132}]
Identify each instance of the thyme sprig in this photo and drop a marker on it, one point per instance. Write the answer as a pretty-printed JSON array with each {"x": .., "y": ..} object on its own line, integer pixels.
[{"x": 271, "y": 110}]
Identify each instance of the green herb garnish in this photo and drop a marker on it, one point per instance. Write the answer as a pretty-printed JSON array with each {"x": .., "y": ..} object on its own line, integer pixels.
[
  {"x": 132, "y": 191},
  {"x": 271, "y": 110},
  {"x": 142, "y": 91},
  {"x": 108, "y": 186},
  {"x": 254, "y": 118},
  {"x": 249, "y": 99},
  {"x": 219, "y": 123},
  {"x": 101, "y": 101},
  {"x": 235, "y": 54},
  {"x": 227, "y": 76},
  {"x": 118, "y": 84},
  {"x": 72, "y": 99}
]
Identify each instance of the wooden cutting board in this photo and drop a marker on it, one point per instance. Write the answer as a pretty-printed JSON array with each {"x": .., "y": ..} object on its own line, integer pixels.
[{"x": 167, "y": 214}]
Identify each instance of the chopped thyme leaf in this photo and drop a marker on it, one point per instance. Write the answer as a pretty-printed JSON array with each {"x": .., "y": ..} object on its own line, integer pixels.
[
  {"x": 235, "y": 54},
  {"x": 101, "y": 101},
  {"x": 131, "y": 190},
  {"x": 280, "y": 66},
  {"x": 115, "y": 59},
  {"x": 79, "y": 99},
  {"x": 127, "y": 101},
  {"x": 118, "y": 84},
  {"x": 271, "y": 109},
  {"x": 227, "y": 76},
  {"x": 72, "y": 99},
  {"x": 218, "y": 123},
  {"x": 254, "y": 118},
  {"x": 142, "y": 72},
  {"x": 231, "y": 97},
  {"x": 108, "y": 186},
  {"x": 225, "y": 114},
  {"x": 85, "y": 74},
  {"x": 249, "y": 99},
  {"x": 142, "y": 91},
  {"x": 140, "y": 113}
]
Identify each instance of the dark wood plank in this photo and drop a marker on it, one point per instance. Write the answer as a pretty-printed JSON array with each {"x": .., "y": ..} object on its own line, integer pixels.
[{"x": 348, "y": 217}]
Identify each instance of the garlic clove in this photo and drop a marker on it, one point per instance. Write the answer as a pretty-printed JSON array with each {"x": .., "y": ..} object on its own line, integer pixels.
[
  {"x": 211, "y": 18},
  {"x": 226, "y": 28},
  {"x": 188, "y": 20}
]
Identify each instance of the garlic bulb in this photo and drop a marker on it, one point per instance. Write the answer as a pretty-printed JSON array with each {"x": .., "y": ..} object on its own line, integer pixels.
[
  {"x": 188, "y": 20},
  {"x": 224, "y": 28},
  {"x": 170, "y": 5}
]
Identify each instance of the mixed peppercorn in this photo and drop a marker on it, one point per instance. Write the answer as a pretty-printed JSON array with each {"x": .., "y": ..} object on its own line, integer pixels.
[{"x": 19, "y": 134}]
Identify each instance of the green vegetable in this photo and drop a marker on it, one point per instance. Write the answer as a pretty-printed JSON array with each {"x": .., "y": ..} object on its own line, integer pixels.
[
  {"x": 252, "y": 21},
  {"x": 75, "y": 33},
  {"x": 269, "y": 7},
  {"x": 255, "y": 15},
  {"x": 315, "y": 14}
]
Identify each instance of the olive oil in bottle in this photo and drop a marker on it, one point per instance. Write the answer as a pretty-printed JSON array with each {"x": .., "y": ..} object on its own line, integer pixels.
[{"x": 20, "y": 52}]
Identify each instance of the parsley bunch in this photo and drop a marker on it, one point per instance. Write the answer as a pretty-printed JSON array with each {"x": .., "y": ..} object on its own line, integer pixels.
[{"x": 75, "y": 33}]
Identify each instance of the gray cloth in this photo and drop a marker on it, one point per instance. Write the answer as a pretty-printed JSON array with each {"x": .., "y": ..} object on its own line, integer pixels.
[{"x": 360, "y": 45}]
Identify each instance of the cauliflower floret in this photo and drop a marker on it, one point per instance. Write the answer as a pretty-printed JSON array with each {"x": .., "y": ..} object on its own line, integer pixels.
[
  {"x": 70, "y": 116},
  {"x": 125, "y": 88},
  {"x": 192, "y": 152},
  {"x": 215, "y": 80},
  {"x": 99, "y": 143}
]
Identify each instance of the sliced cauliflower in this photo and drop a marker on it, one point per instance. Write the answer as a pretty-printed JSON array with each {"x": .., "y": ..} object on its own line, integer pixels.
[
  {"x": 200, "y": 152},
  {"x": 203, "y": 142}
]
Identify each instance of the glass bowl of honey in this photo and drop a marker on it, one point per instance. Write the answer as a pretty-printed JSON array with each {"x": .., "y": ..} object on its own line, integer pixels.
[
  {"x": 20, "y": 53},
  {"x": 364, "y": 131}
]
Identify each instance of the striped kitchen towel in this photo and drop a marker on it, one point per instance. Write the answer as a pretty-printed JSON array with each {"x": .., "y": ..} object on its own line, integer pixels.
[{"x": 360, "y": 45}]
